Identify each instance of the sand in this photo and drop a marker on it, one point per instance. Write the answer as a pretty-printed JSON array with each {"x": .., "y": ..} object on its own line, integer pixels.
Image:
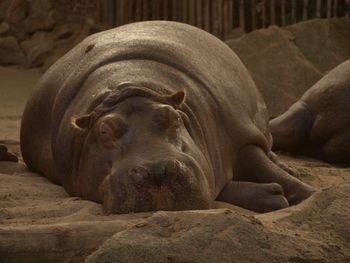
[{"x": 39, "y": 222}]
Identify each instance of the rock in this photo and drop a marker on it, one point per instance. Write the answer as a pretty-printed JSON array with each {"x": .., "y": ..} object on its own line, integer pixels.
[
  {"x": 235, "y": 33},
  {"x": 17, "y": 11},
  {"x": 4, "y": 5},
  {"x": 66, "y": 31},
  {"x": 40, "y": 16},
  {"x": 222, "y": 235},
  {"x": 38, "y": 48},
  {"x": 4, "y": 28},
  {"x": 285, "y": 62},
  {"x": 324, "y": 42},
  {"x": 277, "y": 66},
  {"x": 10, "y": 52}
]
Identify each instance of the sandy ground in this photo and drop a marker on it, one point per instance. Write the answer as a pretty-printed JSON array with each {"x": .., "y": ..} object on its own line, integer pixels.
[
  {"x": 39, "y": 222},
  {"x": 15, "y": 88}
]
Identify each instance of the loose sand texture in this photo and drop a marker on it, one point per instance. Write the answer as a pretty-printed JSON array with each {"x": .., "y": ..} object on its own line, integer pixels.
[{"x": 39, "y": 222}]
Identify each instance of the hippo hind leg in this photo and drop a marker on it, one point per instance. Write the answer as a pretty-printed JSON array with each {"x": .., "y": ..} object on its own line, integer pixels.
[
  {"x": 291, "y": 130},
  {"x": 275, "y": 159},
  {"x": 337, "y": 149},
  {"x": 253, "y": 165}
]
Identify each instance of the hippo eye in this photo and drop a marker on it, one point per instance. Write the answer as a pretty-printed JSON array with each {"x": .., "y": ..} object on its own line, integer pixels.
[
  {"x": 110, "y": 130},
  {"x": 167, "y": 118}
]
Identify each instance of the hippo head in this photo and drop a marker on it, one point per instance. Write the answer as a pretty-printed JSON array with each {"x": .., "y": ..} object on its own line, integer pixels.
[{"x": 139, "y": 154}]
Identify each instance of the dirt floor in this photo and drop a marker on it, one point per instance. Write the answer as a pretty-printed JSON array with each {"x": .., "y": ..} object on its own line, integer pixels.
[{"x": 39, "y": 222}]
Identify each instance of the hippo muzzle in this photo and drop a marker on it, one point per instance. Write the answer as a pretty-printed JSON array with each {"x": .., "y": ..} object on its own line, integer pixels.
[{"x": 164, "y": 185}]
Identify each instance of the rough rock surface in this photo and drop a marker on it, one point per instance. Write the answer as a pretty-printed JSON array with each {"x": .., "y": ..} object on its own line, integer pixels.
[
  {"x": 10, "y": 52},
  {"x": 4, "y": 28},
  {"x": 226, "y": 236},
  {"x": 44, "y": 33},
  {"x": 4, "y": 4},
  {"x": 285, "y": 62},
  {"x": 40, "y": 16},
  {"x": 38, "y": 48}
]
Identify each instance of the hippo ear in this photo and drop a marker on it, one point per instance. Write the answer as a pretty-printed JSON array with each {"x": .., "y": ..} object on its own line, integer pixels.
[
  {"x": 177, "y": 99},
  {"x": 82, "y": 123}
]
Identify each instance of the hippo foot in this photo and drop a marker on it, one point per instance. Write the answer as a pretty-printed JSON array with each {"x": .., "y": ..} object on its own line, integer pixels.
[
  {"x": 255, "y": 166},
  {"x": 6, "y": 156},
  {"x": 257, "y": 197},
  {"x": 298, "y": 193}
]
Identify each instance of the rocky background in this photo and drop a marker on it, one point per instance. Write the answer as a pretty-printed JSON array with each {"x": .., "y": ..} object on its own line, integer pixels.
[
  {"x": 35, "y": 33},
  {"x": 285, "y": 62},
  {"x": 39, "y": 222}
]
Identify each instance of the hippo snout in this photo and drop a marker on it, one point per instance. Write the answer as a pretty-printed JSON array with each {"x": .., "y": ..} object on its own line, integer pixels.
[
  {"x": 157, "y": 173},
  {"x": 154, "y": 186}
]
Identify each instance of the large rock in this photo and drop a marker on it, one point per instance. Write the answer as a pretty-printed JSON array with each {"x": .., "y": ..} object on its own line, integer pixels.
[
  {"x": 325, "y": 43},
  {"x": 40, "y": 16},
  {"x": 16, "y": 13},
  {"x": 38, "y": 48},
  {"x": 277, "y": 66},
  {"x": 285, "y": 62},
  {"x": 10, "y": 52},
  {"x": 226, "y": 236}
]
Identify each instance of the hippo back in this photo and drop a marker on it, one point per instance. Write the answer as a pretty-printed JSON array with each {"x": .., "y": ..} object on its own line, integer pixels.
[{"x": 223, "y": 98}]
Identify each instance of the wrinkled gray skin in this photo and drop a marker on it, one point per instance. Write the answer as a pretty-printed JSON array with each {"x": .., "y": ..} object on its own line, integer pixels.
[
  {"x": 155, "y": 116},
  {"x": 319, "y": 123}
]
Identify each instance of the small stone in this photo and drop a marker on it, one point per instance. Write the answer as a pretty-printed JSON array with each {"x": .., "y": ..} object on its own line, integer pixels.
[{"x": 140, "y": 225}]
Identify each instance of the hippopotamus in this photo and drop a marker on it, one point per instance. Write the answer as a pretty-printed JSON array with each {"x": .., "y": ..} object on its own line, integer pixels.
[
  {"x": 318, "y": 124},
  {"x": 155, "y": 116}
]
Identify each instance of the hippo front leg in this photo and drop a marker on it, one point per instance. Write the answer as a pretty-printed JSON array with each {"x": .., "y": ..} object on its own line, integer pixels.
[
  {"x": 257, "y": 197},
  {"x": 254, "y": 165},
  {"x": 275, "y": 159}
]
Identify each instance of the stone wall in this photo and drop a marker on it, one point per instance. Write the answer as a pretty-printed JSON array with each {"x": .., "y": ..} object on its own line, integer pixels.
[{"x": 35, "y": 33}]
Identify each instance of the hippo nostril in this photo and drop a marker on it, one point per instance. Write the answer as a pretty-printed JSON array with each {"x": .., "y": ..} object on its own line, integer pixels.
[{"x": 157, "y": 172}]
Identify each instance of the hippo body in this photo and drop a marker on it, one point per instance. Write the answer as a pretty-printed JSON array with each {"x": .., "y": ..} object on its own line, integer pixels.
[
  {"x": 319, "y": 123},
  {"x": 153, "y": 116}
]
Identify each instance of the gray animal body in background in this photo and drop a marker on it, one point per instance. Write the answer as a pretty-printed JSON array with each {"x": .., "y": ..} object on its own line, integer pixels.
[{"x": 319, "y": 123}]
